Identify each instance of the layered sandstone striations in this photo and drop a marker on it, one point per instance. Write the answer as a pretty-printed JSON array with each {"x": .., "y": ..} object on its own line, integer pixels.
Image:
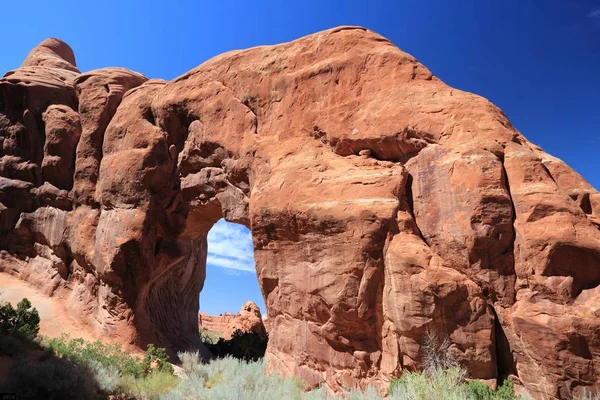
[
  {"x": 216, "y": 323},
  {"x": 383, "y": 204}
]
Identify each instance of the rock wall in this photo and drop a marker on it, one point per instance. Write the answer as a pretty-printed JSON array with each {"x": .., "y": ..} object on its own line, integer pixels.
[
  {"x": 216, "y": 323},
  {"x": 383, "y": 204}
]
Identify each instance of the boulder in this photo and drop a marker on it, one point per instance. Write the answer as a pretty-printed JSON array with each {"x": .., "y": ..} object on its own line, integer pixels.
[{"x": 248, "y": 320}]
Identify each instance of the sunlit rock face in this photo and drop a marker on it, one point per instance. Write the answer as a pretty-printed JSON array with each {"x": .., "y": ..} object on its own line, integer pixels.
[
  {"x": 383, "y": 204},
  {"x": 248, "y": 320}
]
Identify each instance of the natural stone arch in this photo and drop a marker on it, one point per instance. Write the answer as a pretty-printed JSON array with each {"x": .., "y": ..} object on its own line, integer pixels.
[{"x": 382, "y": 204}]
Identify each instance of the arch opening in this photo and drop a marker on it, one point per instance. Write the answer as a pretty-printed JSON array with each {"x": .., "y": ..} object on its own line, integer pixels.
[{"x": 230, "y": 279}]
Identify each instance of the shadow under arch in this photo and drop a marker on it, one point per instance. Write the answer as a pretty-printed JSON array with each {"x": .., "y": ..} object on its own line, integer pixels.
[{"x": 170, "y": 301}]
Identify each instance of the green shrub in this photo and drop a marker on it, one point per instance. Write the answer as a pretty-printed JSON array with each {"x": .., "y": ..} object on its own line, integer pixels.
[
  {"x": 116, "y": 372},
  {"x": 480, "y": 391},
  {"x": 24, "y": 321},
  {"x": 209, "y": 337},
  {"x": 150, "y": 386},
  {"x": 446, "y": 384},
  {"x": 156, "y": 358},
  {"x": 506, "y": 391},
  {"x": 442, "y": 378},
  {"x": 436, "y": 384},
  {"x": 231, "y": 379},
  {"x": 108, "y": 379},
  {"x": 109, "y": 355}
]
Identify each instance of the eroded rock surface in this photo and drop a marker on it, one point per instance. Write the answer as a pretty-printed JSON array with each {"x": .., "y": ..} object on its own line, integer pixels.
[
  {"x": 383, "y": 204},
  {"x": 248, "y": 320},
  {"x": 216, "y": 323}
]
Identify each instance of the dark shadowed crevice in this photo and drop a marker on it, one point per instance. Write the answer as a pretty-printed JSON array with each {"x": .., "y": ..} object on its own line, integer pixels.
[
  {"x": 398, "y": 147},
  {"x": 586, "y": 204},
  {"x": 409, "y": 198},
  {"x": 251, "y": 102},
  {"x": 511, "y": 248},
  {"x": 579, "y": 345},
  {"x": 505, "y": 363},
  {"x": 506, "y": 184},
  {"x": 547, "y": 171},
  {"x": 148, "y": 115},
  {"x": 170, "y": 299},
  {"x": 268, "y": 285},
  {"x": 565, "y": 260}
]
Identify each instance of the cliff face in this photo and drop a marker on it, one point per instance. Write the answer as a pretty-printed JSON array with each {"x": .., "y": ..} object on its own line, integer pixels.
[
  {"x": 217, "y": 323},
  {"x": 383, "y": 204}
]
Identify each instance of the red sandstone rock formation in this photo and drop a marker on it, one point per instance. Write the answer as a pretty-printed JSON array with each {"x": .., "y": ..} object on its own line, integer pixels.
[
  {"x": 247, "y": 320},
  {"x": 216, "y": 323},
  {"x": 383, "y": 204}
]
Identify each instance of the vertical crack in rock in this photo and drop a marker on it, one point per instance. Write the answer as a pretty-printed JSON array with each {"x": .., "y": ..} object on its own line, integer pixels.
[
  {"x": 545, "y": 168},
  {"x": 505, "y": 362},
  {"x": 248, "y": 101},
  {"x": 410, "y": 203},
  {"x": 511, "y": 248}
]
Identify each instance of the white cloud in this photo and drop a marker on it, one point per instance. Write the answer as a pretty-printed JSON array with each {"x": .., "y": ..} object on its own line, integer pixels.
[
  {"x": 595, "y": 13},
  {"x": 230, "y": 247}
]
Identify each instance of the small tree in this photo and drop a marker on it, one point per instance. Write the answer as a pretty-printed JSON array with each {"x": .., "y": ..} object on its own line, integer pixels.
[
  {"x": 156, "y": 358},
  {"x": 24, "y": 321}
]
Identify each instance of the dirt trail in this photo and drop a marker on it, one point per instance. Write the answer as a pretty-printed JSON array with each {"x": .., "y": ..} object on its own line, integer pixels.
[{"x": 54, "y": 318}]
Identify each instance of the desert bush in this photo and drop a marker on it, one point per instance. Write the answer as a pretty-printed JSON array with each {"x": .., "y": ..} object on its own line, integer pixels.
[
  {"x": 116, "y": 372},
  {"x": 446, "y": 384},
  {"x": 588, "y": 395},
  {"x": 368, "y": 394},
  {"x": 234, "y": 379},
  {"x": 52, "y": 379},
  {"x": 442, "y": 378},
  {"x": 480, "y": 391},
  {"x": 209, "y": 337},
  {"x": 109, "y": 355},
  {"x": 148, "y": 387},
  {"x": 24, "y": 321},
  {"x": 443, "y": 384},
  {"x": 320, "y": 393},
  {"x": 108, "y": 379},
  {"x": 247, "y": 346},
  {"x": 156, "y": 359},
  {"x": 230, "y": 378}
]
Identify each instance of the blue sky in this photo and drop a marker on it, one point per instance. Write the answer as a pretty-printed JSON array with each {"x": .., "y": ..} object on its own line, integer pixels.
[
  {"x": 230, "y": 274},
  {"x": 538, "y": 60}
]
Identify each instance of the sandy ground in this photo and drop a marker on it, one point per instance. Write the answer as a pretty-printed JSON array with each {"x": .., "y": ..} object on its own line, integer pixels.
[{"x": 54, "y": 319}]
